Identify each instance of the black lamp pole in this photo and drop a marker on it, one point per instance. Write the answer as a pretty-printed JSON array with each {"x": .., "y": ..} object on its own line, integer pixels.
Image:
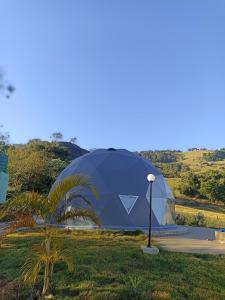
[{"x": 150, "y": 218}]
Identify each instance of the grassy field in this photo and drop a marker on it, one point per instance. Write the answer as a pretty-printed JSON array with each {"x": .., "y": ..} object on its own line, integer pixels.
[
  {"x": 196, "y": 162},
  {"x": 111, "y": 266}
]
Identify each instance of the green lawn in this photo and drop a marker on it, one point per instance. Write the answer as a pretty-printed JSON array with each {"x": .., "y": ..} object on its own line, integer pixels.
[{"x": 111, "y": 266}]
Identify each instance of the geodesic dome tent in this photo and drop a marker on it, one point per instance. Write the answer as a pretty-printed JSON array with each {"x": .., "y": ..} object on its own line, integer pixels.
[{"x": 120, "y": 177}]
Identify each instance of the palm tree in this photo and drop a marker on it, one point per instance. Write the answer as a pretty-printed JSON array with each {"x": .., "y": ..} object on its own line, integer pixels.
[{"x": 30, "y": 207}]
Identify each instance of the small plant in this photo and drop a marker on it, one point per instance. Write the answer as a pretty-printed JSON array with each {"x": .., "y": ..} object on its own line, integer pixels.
[
  {"x": 134, "y": 288},
  {"x": 180, "y": 219},
  {"x": 199, "y": 220}
]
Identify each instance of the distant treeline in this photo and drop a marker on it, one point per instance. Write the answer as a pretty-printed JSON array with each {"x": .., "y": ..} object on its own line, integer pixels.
[
  {"x": 215, "y": 155},
  {"x": 161, "y": 156}
]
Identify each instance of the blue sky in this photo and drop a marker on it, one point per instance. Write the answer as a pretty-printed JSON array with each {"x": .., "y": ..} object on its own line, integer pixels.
[{"x": 119, "y": 73}]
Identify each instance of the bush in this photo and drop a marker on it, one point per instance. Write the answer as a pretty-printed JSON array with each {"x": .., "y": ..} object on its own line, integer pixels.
[
  {"x": 199, "y": 220},
  {"x": 180, "y": 219}
]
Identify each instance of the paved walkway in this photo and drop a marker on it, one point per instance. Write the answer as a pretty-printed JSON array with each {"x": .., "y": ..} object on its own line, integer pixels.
[{"x": 194, "y": 240}]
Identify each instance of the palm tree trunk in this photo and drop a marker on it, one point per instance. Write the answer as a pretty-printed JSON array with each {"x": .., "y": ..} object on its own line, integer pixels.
[
  {"x": 52, "y": 269},
  {"x": 47, "y": 266},
  {"x": 46, "y": 279}
]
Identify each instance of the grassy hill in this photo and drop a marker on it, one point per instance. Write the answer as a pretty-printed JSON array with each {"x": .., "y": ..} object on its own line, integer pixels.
[{"x": 197, "y": 162}]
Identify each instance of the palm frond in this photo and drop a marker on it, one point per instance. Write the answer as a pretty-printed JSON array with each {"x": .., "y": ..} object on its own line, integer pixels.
[
  {"x": 59, "y": 192},
  {"x": 43, "y": 256},
  {"x": 41, "y": 253},
  {"x": 27, "y": 202},
  {"x": 58, "y": 253},
  {"x": 30, "y": 269},
  {"x": 79, "y": 213},
  {"x": 26, "y": 221},
  {"x": 67, "y": 258}
]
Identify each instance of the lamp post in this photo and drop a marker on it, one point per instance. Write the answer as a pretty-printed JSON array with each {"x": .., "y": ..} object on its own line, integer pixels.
[{"x": 151, "y": 179}]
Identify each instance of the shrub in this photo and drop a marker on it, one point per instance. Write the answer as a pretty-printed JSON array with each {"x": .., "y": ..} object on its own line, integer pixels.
[
  {"x": 199, "y": 220},
  {"x": 180, "y": 219}
]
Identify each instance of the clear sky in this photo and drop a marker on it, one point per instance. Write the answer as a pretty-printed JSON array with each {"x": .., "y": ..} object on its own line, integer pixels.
[{"x": 129, "y": 74}]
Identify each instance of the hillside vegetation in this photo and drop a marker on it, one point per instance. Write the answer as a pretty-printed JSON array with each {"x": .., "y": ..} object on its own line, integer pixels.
[
  {"x": 195, "y": 173},
  {"x": 34, "y": 166}
]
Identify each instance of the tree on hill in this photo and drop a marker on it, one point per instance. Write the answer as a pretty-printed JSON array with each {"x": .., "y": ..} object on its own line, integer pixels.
[
  {"x": 190, "y": 184},
  {"x": 56, "y": 136},
  {"x": 28, "y": 171},
  {"x": 35, "y": 166},
  {"x": 213, "y": 186},
  {"x": 73, "y": 140}
]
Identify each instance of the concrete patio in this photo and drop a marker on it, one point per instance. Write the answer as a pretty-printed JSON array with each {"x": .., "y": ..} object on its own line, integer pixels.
[{"x": 193, "y": 240}]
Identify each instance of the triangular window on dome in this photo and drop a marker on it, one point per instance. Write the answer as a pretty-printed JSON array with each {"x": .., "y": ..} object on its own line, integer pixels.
[{"x": 128, "y": 202}]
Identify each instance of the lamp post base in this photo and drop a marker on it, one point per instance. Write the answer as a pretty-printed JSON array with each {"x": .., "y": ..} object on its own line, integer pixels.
[{"x": 150, "y": 250}]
